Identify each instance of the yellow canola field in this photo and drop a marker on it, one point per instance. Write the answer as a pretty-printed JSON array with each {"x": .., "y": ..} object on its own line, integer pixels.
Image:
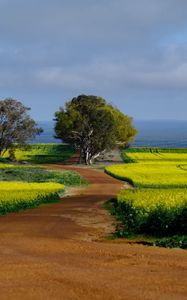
[
  {"x": 20, "y": 195},
  {"x": 151, "y": 175},
  {"x": 15, "y": 186},
  {"x": 150, "y": 199},
  {"x": 148, "y": 157},
  {"x": 16, "y": 166},
  {"x": 158, "y": 204},
  {"x": 6, "y": 166}
]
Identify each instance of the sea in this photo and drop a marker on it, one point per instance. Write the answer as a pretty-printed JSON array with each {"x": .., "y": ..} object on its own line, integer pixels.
[{"x": 152, "y": 133}]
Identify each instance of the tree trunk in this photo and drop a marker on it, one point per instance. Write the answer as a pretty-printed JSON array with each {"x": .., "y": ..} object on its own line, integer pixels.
[
  {"x": 87, "y": 157},
  {"x": 81, "y": 156},
  {"x": 1, "y": 151}
]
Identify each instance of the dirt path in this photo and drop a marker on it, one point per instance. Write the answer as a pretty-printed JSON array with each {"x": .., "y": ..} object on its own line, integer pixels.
[{"x": 57, "y": 251}]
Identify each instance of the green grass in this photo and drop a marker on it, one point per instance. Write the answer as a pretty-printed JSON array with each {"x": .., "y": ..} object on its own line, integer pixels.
[
  {"x": 44, "y": 153},
  {"x": 37, "y": 174},
  {"x": 158, "y": 204}
]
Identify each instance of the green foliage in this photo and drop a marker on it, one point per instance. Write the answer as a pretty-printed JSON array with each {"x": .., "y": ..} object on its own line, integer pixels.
[
  {"x": 43, "y": 153},
  {"x": 175, "y": 241},
  {"x": 33, "y": 174},
  {"x": 124, "y": 132},
  {"x": 92, "y": 125},
  {"x": 16, "y": 126},
  {"x": 126, "y": 158}
]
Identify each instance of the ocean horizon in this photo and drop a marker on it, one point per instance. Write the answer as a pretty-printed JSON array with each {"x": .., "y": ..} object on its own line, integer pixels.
[{"x": 151, "y": 133}]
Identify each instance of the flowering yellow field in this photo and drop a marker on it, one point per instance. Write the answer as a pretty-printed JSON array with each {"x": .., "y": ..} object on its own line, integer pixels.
[
  {"x": 148, "y": 157},
  {"x": 158, "y": 204},
  {"x": 27, "y": 186},
  {"x": 20, "y": 195},
  {"x": 10, "y": 166},
  {"x": 151, "y": 199},
  {"x": 159, "y": 212},
  {"x": 151, "y": 175}
]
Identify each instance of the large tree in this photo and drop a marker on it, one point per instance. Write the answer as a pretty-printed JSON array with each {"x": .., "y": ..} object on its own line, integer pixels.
[
  {"x": 16, "y": 126},
  {"x": 92, "y": 125}
]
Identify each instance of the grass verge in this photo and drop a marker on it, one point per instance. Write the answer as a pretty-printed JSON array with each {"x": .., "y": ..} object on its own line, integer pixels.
[{"x": 10, "y": 172}]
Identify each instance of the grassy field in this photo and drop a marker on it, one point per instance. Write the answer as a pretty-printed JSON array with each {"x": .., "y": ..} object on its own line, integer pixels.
[
  {"x": 158, "y": 204},
  {"x": 10, "y": 172},
  {"x": 43, "y": 153}
]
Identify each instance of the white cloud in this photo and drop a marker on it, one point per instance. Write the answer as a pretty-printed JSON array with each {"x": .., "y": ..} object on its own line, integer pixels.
[{"x": 123, "y": 47}]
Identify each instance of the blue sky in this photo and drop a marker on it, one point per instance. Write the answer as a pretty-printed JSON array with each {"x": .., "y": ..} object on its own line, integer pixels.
[{"x": 132, "y": 53}]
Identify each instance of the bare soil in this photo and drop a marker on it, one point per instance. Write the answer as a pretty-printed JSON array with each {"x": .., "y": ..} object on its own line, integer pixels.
[{"x": 61, "y": 251}]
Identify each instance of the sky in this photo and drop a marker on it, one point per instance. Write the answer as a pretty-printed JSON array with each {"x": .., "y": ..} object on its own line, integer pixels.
[{"x": 133, "y": 53}]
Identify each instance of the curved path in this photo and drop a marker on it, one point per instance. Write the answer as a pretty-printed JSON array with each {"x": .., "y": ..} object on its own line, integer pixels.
[{"x": 59, "y": 251}]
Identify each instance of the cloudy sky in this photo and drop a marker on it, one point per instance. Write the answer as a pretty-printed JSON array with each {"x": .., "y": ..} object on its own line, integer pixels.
[{"x": 131, "y": 52}]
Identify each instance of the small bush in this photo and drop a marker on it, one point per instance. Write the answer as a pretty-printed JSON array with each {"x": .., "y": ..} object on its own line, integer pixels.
[{"x": 172, "y": 242}]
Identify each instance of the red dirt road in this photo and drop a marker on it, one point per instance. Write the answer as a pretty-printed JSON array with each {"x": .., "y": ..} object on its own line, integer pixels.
[{"x": 58, "y": 251}]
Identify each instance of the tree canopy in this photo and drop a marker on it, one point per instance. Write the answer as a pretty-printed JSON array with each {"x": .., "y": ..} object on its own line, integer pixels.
[
  {"x": 93, "y": 126},
  {"x": 16, "y": 126}
]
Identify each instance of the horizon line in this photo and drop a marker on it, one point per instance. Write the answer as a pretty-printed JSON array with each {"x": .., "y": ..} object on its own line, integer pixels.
[{"x": 134, "y": 119}]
